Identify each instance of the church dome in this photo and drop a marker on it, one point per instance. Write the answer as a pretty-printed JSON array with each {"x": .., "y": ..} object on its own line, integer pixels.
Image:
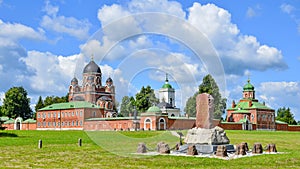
[
  {"x": 92, "y": 67},
  {"x": 248, "y": 86},
  {"x": 109, "y": 80},
  {"x": 154, "y": 109},
  {"x": 74, "y": 80},
  {"x": 167, "y": 85}
]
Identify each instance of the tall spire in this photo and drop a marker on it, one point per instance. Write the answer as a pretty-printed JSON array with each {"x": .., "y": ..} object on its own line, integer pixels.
[
  {"x": 248, "y": 78},
  {"x": 92, "y": 57},
  {"x": 167, "y": 80}
]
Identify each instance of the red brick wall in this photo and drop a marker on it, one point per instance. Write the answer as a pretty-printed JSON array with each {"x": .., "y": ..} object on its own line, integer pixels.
[
  {"x": 25, "y": 126},
  {"x": 179, "y": 124},
  {"x": 153, "y": 122},
  {"x": 231, "y": 126},
  {"x": 283, "y": 127},
  {"x": 234, "y": 126},
  {"x": 28, "y": 126},
  {"x": 63, "y": 119},
  {"x": 293, "y": 128},
  {"x": 108, "y": 125},
  {"x": 8, "y": 126}
]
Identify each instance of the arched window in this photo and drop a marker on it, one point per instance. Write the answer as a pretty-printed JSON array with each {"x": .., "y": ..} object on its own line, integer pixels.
[
  {"x": 148, "y": 124},
  {"x": 161, "y": 124}
]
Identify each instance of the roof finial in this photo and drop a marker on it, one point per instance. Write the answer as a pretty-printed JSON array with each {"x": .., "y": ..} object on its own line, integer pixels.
[
  {"x": 248, "y": 78},
  {"x": 92, "y": 57},
  {"x": 167, "y": 80}
]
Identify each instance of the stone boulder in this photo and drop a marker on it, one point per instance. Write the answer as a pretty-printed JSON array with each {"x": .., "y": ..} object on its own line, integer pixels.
[
  {"x": 163, "y": 148},
  {"x": 214, "y": 136},
  {"x": 141, "y": 148},
  {"x": 257, "y": 148},
  {"x": 177, "y": 146},
  {"x": 221, "y": 151},
  {"x": 241, "y": 149},
  {"x": 271, "y": 148},
  {"x": 192, "y": 150}
]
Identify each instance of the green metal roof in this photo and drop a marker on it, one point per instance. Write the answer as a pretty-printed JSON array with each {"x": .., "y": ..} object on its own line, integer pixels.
[
  {"x": 9, "y": 121},
  {"x": 70, "y": 105},
  {"x": 4, "y": 118},
  {"x": 29, "y": 121},
  {"x": 241, "y": 111},
  {"x": 248, "y": 86},
  {"x": 280, "y": 122},
  {"x": 166, "y": 86},
  {"x": 154, "y": 109},
  {"x": 244, "y": 105}
]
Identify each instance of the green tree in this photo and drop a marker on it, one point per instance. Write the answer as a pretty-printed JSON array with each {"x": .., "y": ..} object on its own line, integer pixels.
[
  {"x": 16, "y": 103},
  {"x": 54, "y": 99},
  {"x": 145, "y": 99},
  {"x": 209, "y": 86},
  {"x": 39, "y": 104},
  {"x": 126, "y": 106},
  {"x": 190, "y": 106},
  {"x": 285, "y": 115}
]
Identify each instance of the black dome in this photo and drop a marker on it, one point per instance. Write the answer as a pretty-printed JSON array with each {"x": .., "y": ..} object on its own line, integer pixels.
[
  {"x": 74, "y": 80},
  {"x": 109, "y": 80},
  {"x": 92, "y": 67}
]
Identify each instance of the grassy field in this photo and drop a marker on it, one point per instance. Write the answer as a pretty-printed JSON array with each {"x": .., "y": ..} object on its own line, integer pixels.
[{"x": 19, "y": 149}]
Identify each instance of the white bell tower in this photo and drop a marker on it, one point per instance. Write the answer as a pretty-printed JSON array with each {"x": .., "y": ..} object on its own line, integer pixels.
[{"x": 167, "y": 93}]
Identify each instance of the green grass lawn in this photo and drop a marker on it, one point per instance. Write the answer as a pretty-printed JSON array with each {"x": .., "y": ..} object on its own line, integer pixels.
[{"x": 103, "y": 149}]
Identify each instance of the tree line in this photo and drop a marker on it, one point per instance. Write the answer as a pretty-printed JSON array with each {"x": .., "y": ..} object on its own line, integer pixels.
[{"x": 17, "y": 104}]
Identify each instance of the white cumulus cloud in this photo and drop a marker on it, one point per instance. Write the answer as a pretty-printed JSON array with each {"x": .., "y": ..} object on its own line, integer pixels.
[
  {"x": 287, "y": 8},
  {"x": 234, "y": 48},
  {"x": 63, "y": 24},
  {"x": 281, "y": 94},
  {"x": 16, "y": 31},
  {"x": 52, "y": 73}
]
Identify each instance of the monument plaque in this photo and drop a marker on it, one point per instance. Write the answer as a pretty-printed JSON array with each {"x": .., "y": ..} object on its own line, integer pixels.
[
  {"x": 205, "y": 137},
  {"x": 205, "y": 111}
]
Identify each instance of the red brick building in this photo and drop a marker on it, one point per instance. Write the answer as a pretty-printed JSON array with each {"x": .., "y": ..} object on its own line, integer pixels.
[
  {"x": 67, "y": 116},
  {"x": 249, "y": 111},
  {"x": 93, "y": 91}
]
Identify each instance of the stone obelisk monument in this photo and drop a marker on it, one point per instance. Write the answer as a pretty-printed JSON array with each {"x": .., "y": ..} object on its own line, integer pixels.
[
  {"x": 205, "y": 111},
  {"x": 205, "y": 136}
]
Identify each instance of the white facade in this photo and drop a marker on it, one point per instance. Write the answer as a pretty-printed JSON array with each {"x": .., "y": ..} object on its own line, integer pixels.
[{"x": 167, "y": 95}]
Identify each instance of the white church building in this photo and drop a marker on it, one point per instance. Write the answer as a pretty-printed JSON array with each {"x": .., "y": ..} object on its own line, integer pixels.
[{"x": 167, "y": 99}]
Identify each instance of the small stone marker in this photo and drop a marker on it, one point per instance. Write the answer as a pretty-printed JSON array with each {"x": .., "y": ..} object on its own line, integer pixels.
[
  {"x": 241, "y": 149},
  {"x": 257, "y": 148},
  {"x": 141, "y": 148},
  {"x": 246, "y": 146},
  {"x": 192, "y": 150},
  {"x": 177, "y": 146},
  {"x": 40, "y": 143},
  {"x": 205, "y": 111},
  {"x": 271, "y": 148},
  {"x": 221, "y": 151},
  {"x": 79, "y": 142},
  {"x": 163, "y": 148}
]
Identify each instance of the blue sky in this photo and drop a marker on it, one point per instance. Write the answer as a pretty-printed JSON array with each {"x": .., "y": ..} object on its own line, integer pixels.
[{"x": 44, "y": 44}]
